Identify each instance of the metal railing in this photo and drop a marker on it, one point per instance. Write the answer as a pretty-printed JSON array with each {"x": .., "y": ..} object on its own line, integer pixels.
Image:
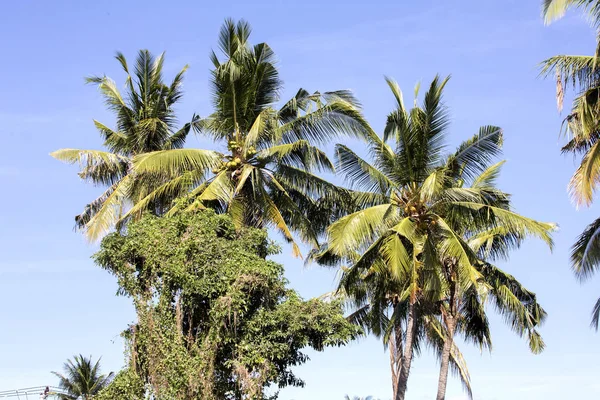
[{"x": 33, "y": 393}]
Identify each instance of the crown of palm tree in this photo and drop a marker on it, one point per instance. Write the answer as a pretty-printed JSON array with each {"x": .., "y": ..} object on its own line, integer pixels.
[
  {"x": 145, "y": 121},
  {"x": 267, "y": 177},
  {"x": 82, "y": 379},
  {"x": 421, "y": 209}
]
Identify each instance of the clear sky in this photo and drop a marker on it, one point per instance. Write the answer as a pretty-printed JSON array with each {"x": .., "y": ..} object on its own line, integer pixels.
[{"x": 54, "y": 302}]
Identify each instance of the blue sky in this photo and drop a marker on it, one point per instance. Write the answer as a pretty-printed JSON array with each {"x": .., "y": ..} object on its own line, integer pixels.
[{"x": 54, "y": 302}]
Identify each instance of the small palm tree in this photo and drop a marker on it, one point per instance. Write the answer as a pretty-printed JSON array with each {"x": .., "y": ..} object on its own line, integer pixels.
[
  {"x": 583, "y": 123},
  {"x": 145, "y": 122},
  {"x": 267, "y": 176},
  {"x": 82, "y": 380}
]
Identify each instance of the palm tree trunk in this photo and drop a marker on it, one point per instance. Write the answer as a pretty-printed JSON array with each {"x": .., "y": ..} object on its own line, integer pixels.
[
  {"x": 393, "y": 364},
  {"x": 443, "y": 380},
  {"x": 407, "y": 354},
  {"x": 395, "y": 349}
]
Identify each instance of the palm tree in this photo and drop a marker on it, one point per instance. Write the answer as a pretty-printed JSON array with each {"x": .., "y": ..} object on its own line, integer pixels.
[
  {"x": 145, "y": 122},
  {"x": 583, "y": 123},
  {"x": 82, "y": 380},
  {"x": 267, "y": 176},
  {"x": 462, "y": 309},
  {"x": 395, "y": 243}
]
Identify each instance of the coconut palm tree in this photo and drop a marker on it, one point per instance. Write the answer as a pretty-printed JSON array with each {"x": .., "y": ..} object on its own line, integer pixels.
[
  {"x": 583, "y": 124},
  {"x": 462, "y": 309},
  {"x": 267, "y": 176},
  {"x": 464, "y": 312},
  {"x": 145, "y": 121},
  {"x": 394, "y": 244},
  {"x": 82, "y": 379}
]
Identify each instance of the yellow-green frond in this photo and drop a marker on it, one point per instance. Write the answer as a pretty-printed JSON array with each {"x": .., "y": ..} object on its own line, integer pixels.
[
  {"x": 177, "y": 161},
  {"x": 356, "y": 230}
]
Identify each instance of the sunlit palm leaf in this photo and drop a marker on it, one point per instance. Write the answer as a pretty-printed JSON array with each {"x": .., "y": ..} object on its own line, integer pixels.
[
  {"x": 176, "y": 162},
  {"x": 357, "y": 229}
]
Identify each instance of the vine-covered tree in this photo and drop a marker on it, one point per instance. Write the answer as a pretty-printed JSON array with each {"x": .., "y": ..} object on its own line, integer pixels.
[{"x": 215, "y": 318}]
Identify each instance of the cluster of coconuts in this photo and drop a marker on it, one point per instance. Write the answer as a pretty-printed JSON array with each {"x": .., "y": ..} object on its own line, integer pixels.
[
  {"x": 412, "y": 209},
  {"x": 232, "y": 164},
  {"x": 234, "y": 146}
]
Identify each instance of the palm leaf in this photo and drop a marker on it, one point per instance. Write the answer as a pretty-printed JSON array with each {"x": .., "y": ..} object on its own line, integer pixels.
[
  {"x": 110, "y": 210},
  {"x": 176, "y": 162},
  {"x": 359, "y": 173},
  {"x": 357, "y": 229}
]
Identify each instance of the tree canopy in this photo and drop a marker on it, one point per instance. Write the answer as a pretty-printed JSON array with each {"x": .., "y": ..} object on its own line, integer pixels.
[{"x": 215, "y": 318}]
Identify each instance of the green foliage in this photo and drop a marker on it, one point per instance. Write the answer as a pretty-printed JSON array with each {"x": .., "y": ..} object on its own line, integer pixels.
[
  {"x": 410, "y": 265},
  {"x": 556, "y": 9},
  {"x": 125, "y": 385},
  {"x": 583, "y": 123},
  {"x": 268, "y": 175},
  {"x": 82, "y": 379},
  {"x": 215, "y": 319},
  {"x": 145, "y": 122}
]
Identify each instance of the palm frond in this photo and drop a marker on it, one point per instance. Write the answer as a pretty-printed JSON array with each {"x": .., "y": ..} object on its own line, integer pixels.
[
  {"x": 325, "y": 123},
  {"x": 487, "y": 178},
  {"x": 513, "y": 221},
  {"x": 596, "y": 315},
  {"x": 453, "y": 247},
  {"x": 553, "y": 10},
  {"x": 176, "y": 162},
  {"x": 298, "y": 154},
  {"x": 359, "y": 173},
  {"x": 100, "y": 167},
  {"x": 586, "y": 178},
  {"x": 516, "y": 304},
  {"x": 355, "y": 230},
  {"x": 109, "y": 212},
  {"x": 585, "y": 253},
  {"x": 474, "y": 155}
]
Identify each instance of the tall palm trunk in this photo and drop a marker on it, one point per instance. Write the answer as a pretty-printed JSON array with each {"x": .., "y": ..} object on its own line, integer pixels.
[
  {"x": 408, "y": 350},
  {"x": 395, "y": 349},
  {"x": 443, "y": 380},
  {"x": 449, "y": 317},
  {"x": 394, "y": 364}
]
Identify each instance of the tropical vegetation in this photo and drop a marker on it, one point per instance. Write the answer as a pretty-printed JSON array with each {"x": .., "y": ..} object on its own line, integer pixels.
[
  {"x": 582, "y": 125},
  {"x": 146, "y": 122},
  {"x": 81, "y": 379},
  {"x": 215, "y": 318},
  {"x": 416, "y": 231},
  {"x": 267, "y": 176},
  {"x": 417, "y": 258}
]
